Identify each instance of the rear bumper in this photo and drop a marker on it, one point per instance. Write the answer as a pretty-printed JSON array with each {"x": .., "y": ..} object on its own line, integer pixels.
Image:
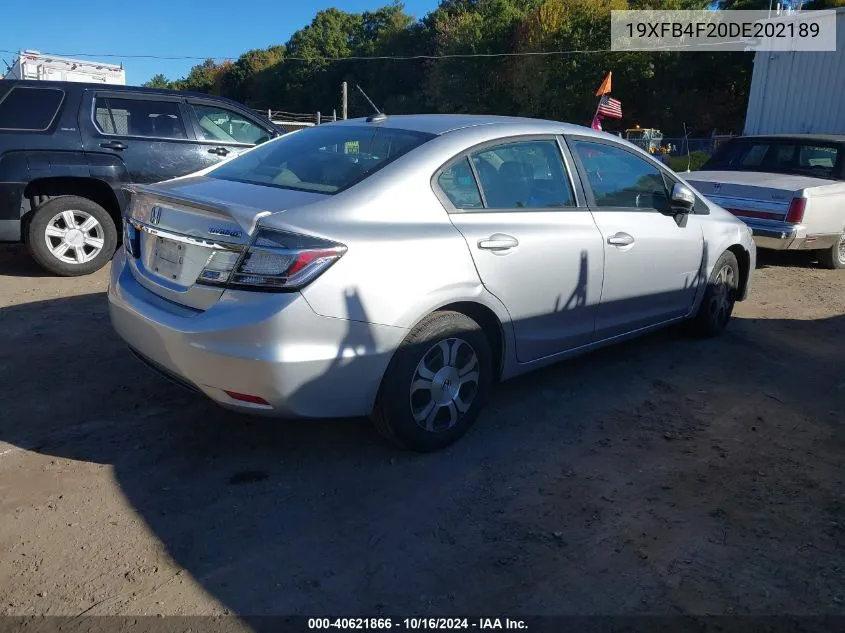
[
  {"x": 269, "y": 345},
  {"x": 781, "y": 236}
]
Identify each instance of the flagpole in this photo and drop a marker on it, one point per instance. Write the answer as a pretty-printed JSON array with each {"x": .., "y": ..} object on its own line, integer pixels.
[{"x": 598, "y": 105}]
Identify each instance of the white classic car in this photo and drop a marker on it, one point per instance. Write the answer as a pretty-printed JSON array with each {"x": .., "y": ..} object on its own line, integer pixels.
[{"x": 790, "y": 189}]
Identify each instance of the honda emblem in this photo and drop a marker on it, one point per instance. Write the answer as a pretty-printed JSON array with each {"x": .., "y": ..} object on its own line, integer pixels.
[{"x": 155, "y": 215}]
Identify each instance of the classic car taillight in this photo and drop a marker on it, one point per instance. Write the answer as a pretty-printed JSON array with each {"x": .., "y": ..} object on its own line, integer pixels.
[{"x": 796, "y": 210}]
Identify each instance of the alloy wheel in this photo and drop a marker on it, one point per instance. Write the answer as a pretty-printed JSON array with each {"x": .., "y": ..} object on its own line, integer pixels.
[{"x": 74, "y": 237}]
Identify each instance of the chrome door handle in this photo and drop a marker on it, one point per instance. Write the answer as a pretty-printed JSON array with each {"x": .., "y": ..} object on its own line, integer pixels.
[
  {"x": 620, "y": 239},
  {"x": 498, "y": 242}
]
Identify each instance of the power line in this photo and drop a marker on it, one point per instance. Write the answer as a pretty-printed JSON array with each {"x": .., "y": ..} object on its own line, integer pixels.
[{"x": 340, "y": 59}]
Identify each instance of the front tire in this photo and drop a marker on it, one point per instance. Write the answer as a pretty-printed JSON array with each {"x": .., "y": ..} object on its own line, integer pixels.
[
  {"x": 436, "y": 383},
  {"x": 71, "y": 236},
  {"x": 717, "y": 305},
  {"x": 833, "y": 258}
]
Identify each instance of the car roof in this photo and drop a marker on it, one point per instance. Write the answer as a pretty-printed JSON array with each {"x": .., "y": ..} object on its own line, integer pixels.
[
  {"x": 826, "y": 138},
  {"x": 83, "y": 85},
  {"x": 439, "y": 124}
]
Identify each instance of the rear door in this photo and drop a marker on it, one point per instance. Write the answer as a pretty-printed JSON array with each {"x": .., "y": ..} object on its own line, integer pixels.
[
  {"x": 147, "y": 133},
  {"x": 652, "y": 258},
  {"x": 223, "y": 132},
  {"x": 534, "y": 247}
]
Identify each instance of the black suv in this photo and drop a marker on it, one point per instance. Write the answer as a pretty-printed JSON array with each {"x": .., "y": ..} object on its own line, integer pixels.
[{"x": 67, "y": 149}]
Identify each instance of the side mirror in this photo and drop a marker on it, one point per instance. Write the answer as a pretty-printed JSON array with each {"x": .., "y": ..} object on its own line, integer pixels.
[{"x": 683, "y": 200}]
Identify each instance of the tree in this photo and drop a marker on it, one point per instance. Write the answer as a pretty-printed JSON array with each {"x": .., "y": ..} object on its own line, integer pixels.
[
  {"x": 658, "y": 89},
  {"x": 158, "y": 81},
  {"x": 201, "y": 78}
]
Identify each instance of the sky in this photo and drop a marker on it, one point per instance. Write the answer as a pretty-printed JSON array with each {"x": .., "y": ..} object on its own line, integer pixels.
[{"x": 206, "y": 28}]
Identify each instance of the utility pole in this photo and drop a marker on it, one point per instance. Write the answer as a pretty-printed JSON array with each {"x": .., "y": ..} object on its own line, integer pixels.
[{"x": 344, "y": 100}]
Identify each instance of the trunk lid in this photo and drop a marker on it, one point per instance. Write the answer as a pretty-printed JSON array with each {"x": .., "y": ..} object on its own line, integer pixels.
[
  {"x": 752, "y": 194},
  {"x": 180, "y": 225}
]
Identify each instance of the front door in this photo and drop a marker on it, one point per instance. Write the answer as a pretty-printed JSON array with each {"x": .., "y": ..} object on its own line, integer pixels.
[
  {"x": 147, "y": 133},
  {"x": 652, "y": 258},
  {"x": 223, "y": 132},
  {"x": 533, "y": 247}
]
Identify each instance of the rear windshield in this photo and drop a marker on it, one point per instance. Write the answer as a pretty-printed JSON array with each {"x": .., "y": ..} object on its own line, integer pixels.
[
  {"x": 321, "y": 159},
  {"x": 31, "y": 109},
  {"x": 806, "y": 158}
]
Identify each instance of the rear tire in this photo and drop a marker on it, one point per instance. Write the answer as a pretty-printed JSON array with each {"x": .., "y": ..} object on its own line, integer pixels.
[
  {"x": 436, "y": 383},
  {"x": 717, "y": 305},
  {"x": 833, "y": 258},
  {"x": 71, "y": 236}
]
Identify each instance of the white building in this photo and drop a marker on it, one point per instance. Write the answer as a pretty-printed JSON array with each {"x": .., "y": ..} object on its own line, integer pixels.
[{"x": 799, "y": 91}]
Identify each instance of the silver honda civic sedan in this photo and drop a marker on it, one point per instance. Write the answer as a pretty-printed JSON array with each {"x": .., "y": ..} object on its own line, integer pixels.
[{"x": 400, "y": 267}]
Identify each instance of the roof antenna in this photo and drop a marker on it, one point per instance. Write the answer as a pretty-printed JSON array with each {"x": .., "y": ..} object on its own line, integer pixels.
[{"x": 377, "y": 114}]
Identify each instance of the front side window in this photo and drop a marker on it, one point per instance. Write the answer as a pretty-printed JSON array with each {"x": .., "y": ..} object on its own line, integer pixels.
[
  {"x": 618, "y": 178},
  {"x": 139, "y": 117},
  {"x": 31, "y": 109},
  {"x": 523, "y": 175},
  {"x": 225, "y": 126},
  {"x": 323, "y": 159}
]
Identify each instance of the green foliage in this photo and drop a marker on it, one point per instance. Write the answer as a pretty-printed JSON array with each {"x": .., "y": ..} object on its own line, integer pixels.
[
  {"x": 679, "y": 163},
  {"x": 158, "y": 81},
  {"x": 662, "y": 90}
]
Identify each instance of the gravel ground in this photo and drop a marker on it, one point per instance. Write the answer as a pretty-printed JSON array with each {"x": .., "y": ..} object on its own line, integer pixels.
[{"x": 664, "y": 476}]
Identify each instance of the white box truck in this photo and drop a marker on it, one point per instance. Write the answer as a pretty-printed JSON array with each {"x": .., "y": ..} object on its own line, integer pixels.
[{"x": 36, "y": 66}]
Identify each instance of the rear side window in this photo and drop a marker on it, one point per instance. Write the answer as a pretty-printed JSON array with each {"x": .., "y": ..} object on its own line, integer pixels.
[
  {"x": 458, "y": 183},
  {"x": 139, "y": 117},
  {"x": 31, "y": 109},
  {"x": 323, "y": 159},
  {"x": 523, "y": 175}
]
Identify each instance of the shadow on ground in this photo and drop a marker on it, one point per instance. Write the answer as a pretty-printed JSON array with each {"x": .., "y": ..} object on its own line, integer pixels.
[
  {"x": 666, "y": 475},
  {"x": 794, "y": 259}
]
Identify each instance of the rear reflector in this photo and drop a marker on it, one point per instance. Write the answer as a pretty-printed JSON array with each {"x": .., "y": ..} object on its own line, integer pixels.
[
  {"x": 796, "y": 210},
  {"x": 245, "y": 397}
]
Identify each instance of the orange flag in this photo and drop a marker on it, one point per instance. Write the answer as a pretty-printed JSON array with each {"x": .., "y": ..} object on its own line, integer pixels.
[{"x": 605, "y": 86}]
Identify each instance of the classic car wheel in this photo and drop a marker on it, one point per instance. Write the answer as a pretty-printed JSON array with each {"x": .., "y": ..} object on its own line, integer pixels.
[
  {"x": 834, "y": 257},
  {"x": 436, "y": 383}
]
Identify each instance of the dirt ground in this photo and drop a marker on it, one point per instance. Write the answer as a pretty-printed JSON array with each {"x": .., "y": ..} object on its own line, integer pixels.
[{"x": 666, "y": 476}]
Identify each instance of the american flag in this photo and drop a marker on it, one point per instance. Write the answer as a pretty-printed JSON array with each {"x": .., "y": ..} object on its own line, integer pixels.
[{"x": 610, "y": 107}]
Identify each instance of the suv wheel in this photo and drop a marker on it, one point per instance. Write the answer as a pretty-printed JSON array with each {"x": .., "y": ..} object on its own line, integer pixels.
[
  {"x": 71, "y": 235},
  {"x": 834, "y": 257},
  {"x": 436, "y": 383}
]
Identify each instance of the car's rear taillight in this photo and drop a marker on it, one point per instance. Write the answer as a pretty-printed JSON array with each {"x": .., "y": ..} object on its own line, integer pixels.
[
  {"x": 275, "y": 260},
  {"x": 795, "y": 215},
  {"x": 131, "y": 240}
]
